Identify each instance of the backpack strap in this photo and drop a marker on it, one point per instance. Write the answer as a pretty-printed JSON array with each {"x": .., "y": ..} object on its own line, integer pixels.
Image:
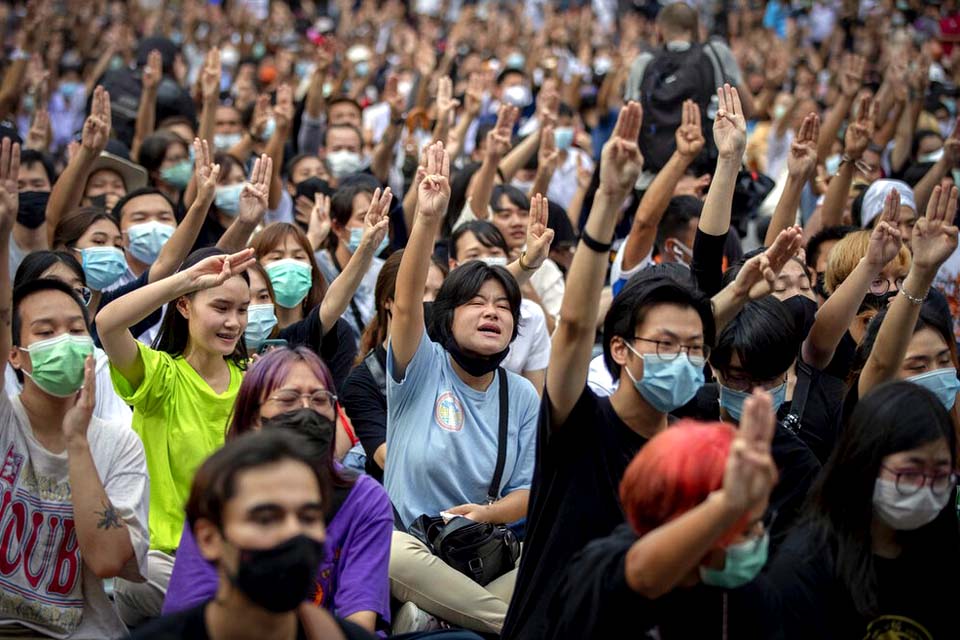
[
  {"x": 719, "y": 77},
  {"x": 376, "y": 370},
  {"x": 801, "y": 391},
  {"x": 494, "y": 493}
]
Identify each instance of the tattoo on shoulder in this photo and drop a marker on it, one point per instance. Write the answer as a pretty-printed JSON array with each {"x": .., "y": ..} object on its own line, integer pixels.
[{"x": 109, "y": 517}]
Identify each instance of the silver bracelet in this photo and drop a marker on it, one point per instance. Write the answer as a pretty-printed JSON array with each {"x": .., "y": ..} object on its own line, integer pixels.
[{"x": 912, "y": 299}]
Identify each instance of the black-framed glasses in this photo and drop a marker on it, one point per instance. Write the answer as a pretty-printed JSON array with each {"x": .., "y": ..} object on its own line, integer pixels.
[
  {"x": 291, "y": 400},
  {"x": 670, "y": 349},
  {"x": 880, "y": 286},
  {"x": 910, "y": 482}
]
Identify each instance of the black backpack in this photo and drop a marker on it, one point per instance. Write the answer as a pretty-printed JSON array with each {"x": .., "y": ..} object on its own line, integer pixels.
[{"x": 669, "y": 79}]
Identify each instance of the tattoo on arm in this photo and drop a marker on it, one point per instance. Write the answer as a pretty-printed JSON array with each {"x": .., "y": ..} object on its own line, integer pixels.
[{"x": 109, "y": 517}]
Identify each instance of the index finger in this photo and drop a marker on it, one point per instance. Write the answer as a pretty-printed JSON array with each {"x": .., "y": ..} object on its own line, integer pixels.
[{"x": 758, "y": 421}]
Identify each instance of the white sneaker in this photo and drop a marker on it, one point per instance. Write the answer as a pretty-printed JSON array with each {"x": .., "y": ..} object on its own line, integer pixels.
[{"x": 411, "y": 618}]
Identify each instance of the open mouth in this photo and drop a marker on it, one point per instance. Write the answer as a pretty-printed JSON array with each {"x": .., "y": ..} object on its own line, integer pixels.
[
  {"x": 229, "y": 337},
  {"x": 489, "y": 328}
]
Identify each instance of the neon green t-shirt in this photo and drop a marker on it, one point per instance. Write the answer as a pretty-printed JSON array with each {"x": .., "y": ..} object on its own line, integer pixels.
[{"x": 181, "y": 421}]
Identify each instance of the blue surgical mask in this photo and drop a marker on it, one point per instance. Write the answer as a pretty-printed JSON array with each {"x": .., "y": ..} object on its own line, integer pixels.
[
  {"x": 70, "y": 89},
  {"x": 732, "y": 400},
  {"x": 563, "y": 137},
  {"x": 102, "y": 266},
  {"x": 742, "y": 564},
  {"x": 356, "y": 235},
  {"x": 933, "y": 156},
  {"x": 261, "y": 319},
  {"x": 667, "y": 384},
  {"x": 179, "y": 174},
  {"x": 515, "y": 60},
  {"x": 226, "y": 141},
  {"x": 147, "y": 238},
  {"x": 227, "y": 198},
  {"x": 943, "y": 383},
  {"x": 362, "y": 68},
  {"x": 291, "y": 280}
]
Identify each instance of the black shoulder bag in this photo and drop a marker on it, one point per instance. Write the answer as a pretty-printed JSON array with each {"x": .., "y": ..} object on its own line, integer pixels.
[{"x": 479, "y": 550}]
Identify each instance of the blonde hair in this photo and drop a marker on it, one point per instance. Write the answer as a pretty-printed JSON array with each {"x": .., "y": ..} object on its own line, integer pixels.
[{"x": 846, "y": 255}]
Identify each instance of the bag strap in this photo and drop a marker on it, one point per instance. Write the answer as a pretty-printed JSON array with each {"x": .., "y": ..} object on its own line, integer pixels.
[
  {"x": 376, "y": 370},
  {"x": 801, "y": 390},
  {"x": 719, "y": 77},
  {"x": 494, "y": 493}
]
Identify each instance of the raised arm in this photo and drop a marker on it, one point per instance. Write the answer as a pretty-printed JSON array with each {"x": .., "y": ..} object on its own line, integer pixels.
[
  {"x": 934, "y": 240},
  {"x": 851, "y": 75},
  {"x": 283, "y": 115},
  {"x": 472, "y": 102},
  {"x": 384, "y": 151},
  {"x": 855, "y": 142},
  {"x": 538, "y": 242},
  {"x": 210, "y": 92},
  {"x": 114, "y": 320},
  {"x": 407, "y": 327},
  {"x": 253, "y": 206},
  {"x": 9, "y": 202},
  {"x": 620, "y": 164},
  {"x": 801, "y": 167},
  {"x": 446, "y": 107},
  {"x": 548, "y": 157},
  {"x": 730, "y": 135},
  {"x": 498, "y": 144},
  {"x": 147, "y": 110},
  {"x": 67, "y": 191},
  {"x": 940, "y": 169},
  {"x": 376, "y": 223},
  {"x": 834, "y": 317}
]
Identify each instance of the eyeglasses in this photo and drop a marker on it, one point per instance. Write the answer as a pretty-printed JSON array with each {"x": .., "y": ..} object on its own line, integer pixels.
[
  {"x": 290, "y": 400},
  {"x": 910, "y": 482},
  {"x": 669, "y": 349},
  {"x": 880, "y": 286}
]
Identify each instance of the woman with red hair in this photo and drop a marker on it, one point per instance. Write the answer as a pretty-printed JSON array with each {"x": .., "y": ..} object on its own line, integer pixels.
[{"x": 685, "y": 562}]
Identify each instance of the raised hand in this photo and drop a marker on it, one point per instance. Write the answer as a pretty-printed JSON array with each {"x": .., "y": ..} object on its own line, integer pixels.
[
  {"x": 215, "y": 270},
  {"x": 851, "y": 75},
  {"x": 318, "y": 227},
  {"x": 445, "y": 102},
  {"x": 885, "y": 240},
  {"x": 951, "y": 146},
  {"x": 539, "y": 236},
  {"x": 76, "y": 420},
  {"x": 433, "y": 194},
  {"x": 473, "y": 97},
  {"x": 153, "y": 72},
  {"x": 283, "y": 111},
  {"x": 548, "y": 156},
  {"x": 689, "y": 134},
  {"x": 256, "y": 192},
  {"x": 210, "y": 76},
  {"x": 376, "y": 222},
  {"x": 751, "y": 472},
  {"x": 730, "y": 127},
  {"x": 96, "y": 128},
  {"x": 398, "y": 103},
  {"x": 802, "y": 161},
  {"x": 498, "y": 140},
  {"x": 9, "y": 194},
  {"x": 204, "y": 169},
  {"x": 860, "y": 131},
  {"x": 758, "y": 275},
  {"x": 934, "y": 235},
  {"x": 38, "y": 137},
  {"x": 584, "y": 174},
  {"x": 621, "y": 160},
  {"x": 261, "y": 115}
]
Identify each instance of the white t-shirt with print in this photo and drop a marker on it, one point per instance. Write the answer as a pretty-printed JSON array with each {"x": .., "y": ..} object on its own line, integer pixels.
[{"x": 530, "y": 351}]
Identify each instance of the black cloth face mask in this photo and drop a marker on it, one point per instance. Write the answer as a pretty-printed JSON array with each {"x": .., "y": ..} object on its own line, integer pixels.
[
  {"x": 281, "y": 577},
  {"x": 473, "y": 364}
]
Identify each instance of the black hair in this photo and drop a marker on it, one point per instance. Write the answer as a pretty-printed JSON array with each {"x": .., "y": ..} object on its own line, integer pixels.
[
  {"x": 294, "y": 161},
  {"x": 136, "y": 193},
  {"x": 30, "y": 287},
  {"x": 893, "y": 417},
  {"x": 174, "y": 330},
  {"x": 516, "y": 197},
  {"x": 677, "y": 216},
  {"x": 331, "y": 127},
  {"x": 341, "y": 204},
  {"x": 460, "y": 287},
  {"x": 509, "y": 71},
  {"x": 486, "y": 233},
  {"x": 340, "y": 99},
  {"x": 764, "y": 335},
  {"x": 565, "y": 110},
  {"x": 482, "y": 131},
  {"x": 154, "y": 147},
  {"x": 32, "y": 156},
  {"x": 215, "y": 481},
  {"x": 72, "y": 226},
  {"x": 36, "y": 263},
  {"x": 827, "y": 234},
  {"x": 458, "y": 195},
  {"x": 655, "y": 285},
  {"x": 918, "y": 138}
]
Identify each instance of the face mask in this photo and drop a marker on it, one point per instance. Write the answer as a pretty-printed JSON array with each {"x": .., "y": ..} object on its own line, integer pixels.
[
  {"x": 832, "y": 164},
  {"x": 667, "y": 384},
  {"x": 493, "y": 261},
  {"x": 474, "y": 365},
  {"x": 602, "y": 65},
  {"x": 259, "y": 50},
  {"x": 523, "y": 185},
  {"x": 803, "y": 309},
  {"x": 563, "y": 137},
  {"x": 291, "y": 281},
  {"x": 268, "y": 129},
  {"x": 778, "y": 112},
  {"x": 343, "y": 163},
  {"x": 226, "y": 141},
  {"x": 229, "y": 57},
  {"x": 57, "y": 363},
  {"x": 356, "y": 235},
  {"x": 875, "y": 301},
  {"x": 732, "y": 400},
  {"x": 942, "y": 383},
  {"x": 743, "y": 562},
  {"x": 70, "y": 89},
  {"x": 362, "y": 68},
  {"x": 404, "y": 87},
  {"x": 933, "y": 156},
  {"x": 227, "y": 198},
  {"x": 102, "y": 266},
  {"x": 515, "y": 60},
  {"x": 303, "y": 69},
  {"x": 179, "y": 174},
  {"x": 906, "y": 513},
  {"x": 147, "y": 238},
  {"x": 261, "y": 319},
  {"x": 280, "y": 578},
  {"x": 32, "y": 208},
  {"x": 518, "y": 96}
]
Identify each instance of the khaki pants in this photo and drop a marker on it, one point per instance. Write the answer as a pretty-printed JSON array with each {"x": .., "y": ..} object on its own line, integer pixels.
[
  {"x": 138, "y": 602},
  {"x": 418, "y": 576}
]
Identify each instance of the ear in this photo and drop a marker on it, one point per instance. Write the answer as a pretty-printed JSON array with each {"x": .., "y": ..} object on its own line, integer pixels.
[
  {"x": 620, "y": 354},
  {"x": 17, "y": 358},
  {"x": 183, "y": 306},
  {"x": 209, "y": 540},
  {"x": 452, "y": 264}
]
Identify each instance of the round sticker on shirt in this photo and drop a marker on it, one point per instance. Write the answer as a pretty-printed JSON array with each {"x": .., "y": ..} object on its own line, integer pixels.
[
  {"x": 449, "y": 412},
  {"x": 896, "y": 628}
]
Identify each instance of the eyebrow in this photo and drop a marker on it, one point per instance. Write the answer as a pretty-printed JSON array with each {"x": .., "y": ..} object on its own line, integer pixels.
[
  {"x": 671, "y": 334},
  {"x": 48, "y": 320}
]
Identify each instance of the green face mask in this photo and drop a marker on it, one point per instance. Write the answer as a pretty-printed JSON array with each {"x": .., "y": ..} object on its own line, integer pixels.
[
  {"x": 291, "y": 280},
  {"x": 178, "y": 174},
  {"x": 58, "y": 363},
  {"x": 743, "y": 563}
]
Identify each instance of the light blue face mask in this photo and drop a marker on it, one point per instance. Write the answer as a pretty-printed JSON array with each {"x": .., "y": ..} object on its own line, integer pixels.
[
  {"x": 563, "y": 137},
  {"x": 268, "y": 129},
  {"x": 291, "y": 280},
  {"x": 226, "y": 141},
  {"x": 261, "y": 319},
  {"x": 227, "y": 198},
  {"x": 102, "y": 266},
  {"x": 356, "y": 235},
  {"x": 743, "y": 563},
  {"x": 179, "y": 174},
  {"x": 667, "y": 384},
  {"x": 943, "y": 383},
  {"x": 732, "y": 400},
  {"x": 146, "y": 240},
  {"x": 515, "y": 60}
]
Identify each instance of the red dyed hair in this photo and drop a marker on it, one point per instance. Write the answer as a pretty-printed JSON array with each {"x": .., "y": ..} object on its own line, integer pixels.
[{"x": 675, "y": 472}]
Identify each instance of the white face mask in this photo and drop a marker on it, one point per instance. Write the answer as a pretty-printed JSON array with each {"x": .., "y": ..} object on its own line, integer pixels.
[
  {"x": 906, "y": 513},
  {"x": 494, "y": 261},
  {"x": 343, "y": 163},
  {"x": 518, "y": 96}
]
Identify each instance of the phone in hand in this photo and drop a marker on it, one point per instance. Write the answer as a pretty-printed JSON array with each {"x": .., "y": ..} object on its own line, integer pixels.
[{"x": 269, "y": 345}]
